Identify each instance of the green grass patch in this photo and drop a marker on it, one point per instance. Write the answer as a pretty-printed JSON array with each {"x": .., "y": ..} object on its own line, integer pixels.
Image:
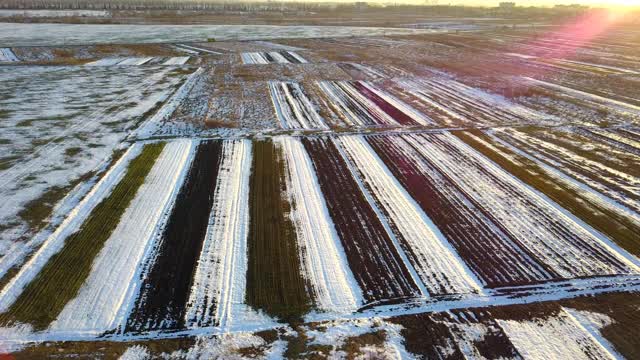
[
  {"x": 62, "y": 276},
  {"x": 616, "y": 226},
  {"x": 274, "y": 282}
]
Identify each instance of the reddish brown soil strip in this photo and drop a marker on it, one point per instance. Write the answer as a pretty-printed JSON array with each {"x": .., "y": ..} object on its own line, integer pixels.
[
  {"x": 274, "y": 281},
  {"x": 487, "y": 250},
  {"x": 370, "y": 252},
  {"x": 391, "y": 110},
  {"x": 165, "y": 290},
  {"x": 616, "y": 226}
]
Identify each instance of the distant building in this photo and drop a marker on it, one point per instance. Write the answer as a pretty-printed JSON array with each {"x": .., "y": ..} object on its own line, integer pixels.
[{"x": 507, "y": 5}]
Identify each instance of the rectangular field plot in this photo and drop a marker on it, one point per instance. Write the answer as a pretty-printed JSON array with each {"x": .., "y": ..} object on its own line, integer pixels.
[
  {"x": 57, "y": 124},
  {"x": 294, "y": 108},
  {"x": 273, "y": 57},
  {"x": 483, "y": 244},
  {"x": 373, "y": 258},
  {"x": 275, "y": 283},
  {"x": 164, "y": 292},
  {"x": 435, "y": 262},
  {"x": 451, "y": 103},
  {"x": 137, "y": 61},
  {"x": 54, "y": 276},
  {"x": 361, "y": 104},
  {"x": 218, "y": 285},
  {"x": 592, "y": 206},
  {"x": 604, "y": 168},
  {"x": 556, "y": 239}
]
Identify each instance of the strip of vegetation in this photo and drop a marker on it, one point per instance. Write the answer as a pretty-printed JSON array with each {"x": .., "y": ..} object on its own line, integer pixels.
[
  {"x": 61, "y": 278},
  {"x": 165, "y": 290},
  {"x": 274, "y": 280},
  {"x": 616, "y": 226}
]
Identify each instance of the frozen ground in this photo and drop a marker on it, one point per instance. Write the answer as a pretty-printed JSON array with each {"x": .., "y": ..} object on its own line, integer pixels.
[
  {"x": 59, "y": 123},
  {"x": 79, "y": 34}
]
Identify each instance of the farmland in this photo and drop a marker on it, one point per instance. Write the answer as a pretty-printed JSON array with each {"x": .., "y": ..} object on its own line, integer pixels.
[{"x": 400, "y": 189}]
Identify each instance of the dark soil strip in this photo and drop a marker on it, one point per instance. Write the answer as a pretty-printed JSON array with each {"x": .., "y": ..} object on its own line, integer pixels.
[
  {"x": 292, "y": 59},
  {"x": 432, "y": 335},
  {"x": 165, "y": 288},
  {"x": 274, "y": 282},
  {"x": 61, "y": 278},
  {"x": 391, "y": 110},
  {"x": 616, "y": 226},
  {"x": 375, "y": 263},
  {"x": 624, "y": 310},
  {"x": 489, "y": 252}
]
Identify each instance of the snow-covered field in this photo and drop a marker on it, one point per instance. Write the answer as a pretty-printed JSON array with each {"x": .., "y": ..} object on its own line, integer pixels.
[
  {"x": 219, "y": 281},
  {"x": 136, "y": 61},
  {"x": 294, "y": 108},
  {"x": 68, "y": 34},
  {"x": 106, "y": 295},
  {"x": 420, "y": 203},
  {"x": 59, "y": 123},
  {"x": 324, "y": 260},
  {"x": 435, "y": 262},
  {"x": 53, "y": 13},
  {"x": 272, "y": 57}
]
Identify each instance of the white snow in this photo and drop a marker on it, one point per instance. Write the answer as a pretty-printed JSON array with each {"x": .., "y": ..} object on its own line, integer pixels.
[
  {"x": 436, "y": 262},
  {"x": 546, "y": 230},
  {"x": 136, "y": 352},
  {"x": 272, "y": 57},
  {"x": 293, "y": 108},
  {"x": 180, "y": 60},
  {"x": 220, "y": 277},
  {"x": 168, "y": 108},
  {"x": 106, "y": 290},
  {"x": 55, "y": 242},
  {"x": 324, "y": 260},
  {"x": 554, "y": 337},
  {"x": 6, "y": 55}
]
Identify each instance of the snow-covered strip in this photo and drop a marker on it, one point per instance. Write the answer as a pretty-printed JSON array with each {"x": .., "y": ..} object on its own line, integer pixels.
[
  {"x": 196, "y": 49},
  {"x": 554, "y": 337},
  {"x": 7, "y": 55},
  {"x": 219, "y": 280},
  {"x": 55, "y": 242},
  {"x": 600, "y": 100},
  {"x": 111, "y": 61},
  {"x": 323, "y": 257},
  {"x": 558, "y": 239},
  {"x": 617, "y": 185},
  {"x": 522, "y": 56},
  {"x": 593, "y": 322},
  {"x": 180, "y": 60},
  {"x": 135, "y": 61},
  {"x": 293, "y": 107},
  {"x": 272, "y": 57},
  {"x": 617, "y": 137},
  {"x": 455, "y": 103},
  {"x": 434, "y": 259},
  {"x": 149, "y": 127},
  {"x": 354, "y": 108},
  {"x": 416, "y": 116},
  {"x": 97, "y": 308}
]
